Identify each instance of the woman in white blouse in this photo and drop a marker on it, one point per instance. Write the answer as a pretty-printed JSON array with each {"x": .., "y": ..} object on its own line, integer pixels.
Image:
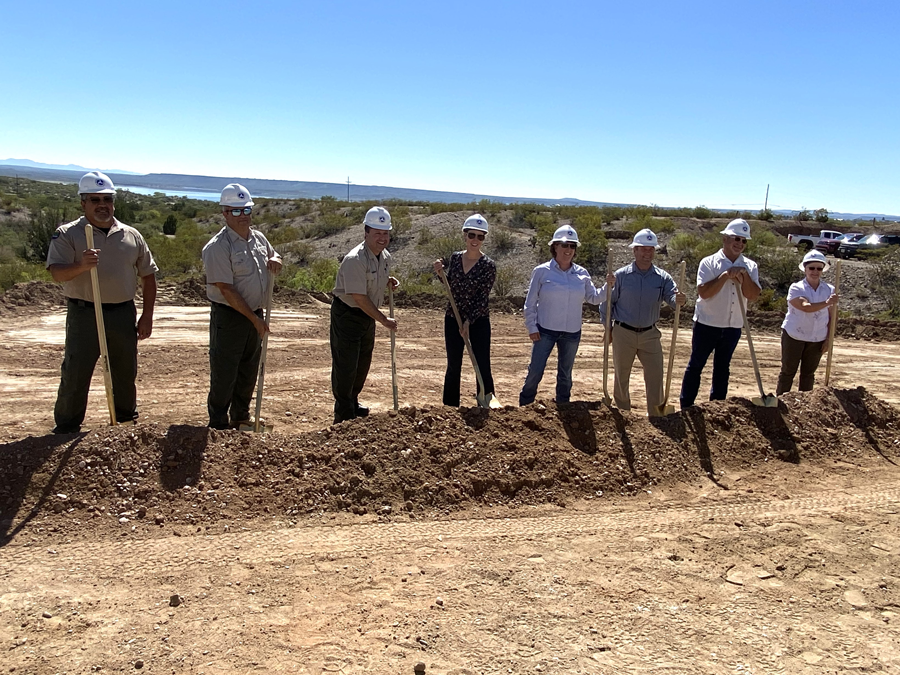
[
  {"x": 556, "y": 293},
  {"x": 804, "y": 333}
]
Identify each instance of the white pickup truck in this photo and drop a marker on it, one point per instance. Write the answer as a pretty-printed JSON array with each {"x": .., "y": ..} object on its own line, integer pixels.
[{"x": 808, "y": 242}]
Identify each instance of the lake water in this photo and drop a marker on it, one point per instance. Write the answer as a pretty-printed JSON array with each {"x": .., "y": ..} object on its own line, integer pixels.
[{"x": 190, "y": 194}]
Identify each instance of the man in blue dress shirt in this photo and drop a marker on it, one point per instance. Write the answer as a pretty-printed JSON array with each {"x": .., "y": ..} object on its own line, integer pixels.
[{"x": 638, "y": 291}]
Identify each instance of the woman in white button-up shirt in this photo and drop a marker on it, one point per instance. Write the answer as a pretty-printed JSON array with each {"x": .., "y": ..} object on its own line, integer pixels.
[
  {"x": 804, "y": 333},
  {"x": 556, "y": 293}
]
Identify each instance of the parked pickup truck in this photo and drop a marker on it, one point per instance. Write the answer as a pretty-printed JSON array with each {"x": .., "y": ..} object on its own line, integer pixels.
[
  {"x": 808, "y": 241},
  {"x": 830, "y": 246}
]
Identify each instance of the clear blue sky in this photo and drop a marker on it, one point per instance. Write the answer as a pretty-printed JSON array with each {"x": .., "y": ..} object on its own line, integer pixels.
[{"x": 677, "y": 104}]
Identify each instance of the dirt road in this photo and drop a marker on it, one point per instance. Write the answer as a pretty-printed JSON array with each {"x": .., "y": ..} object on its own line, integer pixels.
[{"x": 713, "y": 556}]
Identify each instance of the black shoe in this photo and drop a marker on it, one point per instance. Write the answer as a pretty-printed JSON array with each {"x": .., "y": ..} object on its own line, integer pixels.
[
  {"x": 218, "y": 427},
  {"x": 362, "y": 411},
  {"x": 66, "y": 430}
]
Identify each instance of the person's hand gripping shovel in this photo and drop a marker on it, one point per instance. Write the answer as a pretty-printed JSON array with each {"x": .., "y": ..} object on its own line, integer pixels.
[{"x": 484, "y": 399}]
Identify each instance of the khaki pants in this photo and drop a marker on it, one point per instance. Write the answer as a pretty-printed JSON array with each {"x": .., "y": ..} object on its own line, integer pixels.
[{"x": 646, "y": 346}]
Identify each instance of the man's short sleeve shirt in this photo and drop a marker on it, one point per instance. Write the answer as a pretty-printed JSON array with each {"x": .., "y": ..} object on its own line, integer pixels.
[
  {"x": 363, "y": 273},
  {"x": 228, "y": 258},
  {"x": 722, "y": 310},
  {"x": 124, "y": 256}
]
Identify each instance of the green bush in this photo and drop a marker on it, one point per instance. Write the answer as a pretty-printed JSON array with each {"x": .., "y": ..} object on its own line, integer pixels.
[
  {"x": 500, "y": 241},
  {"x": 282, "y": 235},
  {"x": 318, "y": 276},
  {"x": 442, "y": 247},
  {"x": 419, "y": 282},
  {"x": 171, "y": 225},
  {"x": 884, "y": 278},
  {"x": 768, "y": 301},
  {"x": 509, "y": 278},
  {"x": 765, "y": 214},
  {"x": 702, "y": 213},
  {"x": 40, "y": 231},
  {"x": 17, "y": 272},
  {"x": 821, "y": 215},
  {"x": 692, "y": 249}
]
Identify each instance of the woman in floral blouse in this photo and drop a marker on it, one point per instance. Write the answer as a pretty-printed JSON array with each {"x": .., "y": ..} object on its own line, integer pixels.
[{"x": 471, "y": 276}]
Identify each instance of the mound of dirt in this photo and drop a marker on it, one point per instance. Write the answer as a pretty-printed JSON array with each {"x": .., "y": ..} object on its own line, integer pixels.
[
  {"x": 32, "y": 295},
  {"x": 427, "y": 461}
]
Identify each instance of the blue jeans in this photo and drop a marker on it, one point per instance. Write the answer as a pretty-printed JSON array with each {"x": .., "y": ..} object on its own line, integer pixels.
[
  {"x": 567, "y": 348},
  {"x": 704, "y": 341}
]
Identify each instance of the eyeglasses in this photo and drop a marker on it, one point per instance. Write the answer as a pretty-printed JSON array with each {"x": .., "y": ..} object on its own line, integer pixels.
[
  {"x": 473, "y": 235},
  {"x": 814, "y": 268},
  {"x": 247, "y": 210},
  {"x": 566, "y": 244},
  {"x": 105, "y": 199},
  {"x": 739, "y": 240}
]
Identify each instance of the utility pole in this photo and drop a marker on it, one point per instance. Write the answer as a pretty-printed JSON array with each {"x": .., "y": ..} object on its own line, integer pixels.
[
  {"x": 766, "y": 205},
  {"x": 348, "y": 188}
]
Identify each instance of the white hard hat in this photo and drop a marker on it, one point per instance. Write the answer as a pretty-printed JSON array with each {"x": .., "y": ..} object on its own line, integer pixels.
[
  {"x": 737, "y": 228},
  {"x": 378, "y": 218},
  {"x": 814, "y": 256},
  {"x": 235, "y": 194},
  {"x": 566, "y": 233},
  {"x": 96, "y": 183},
  {"x": 475, "y": 222},
  {"x": 645, "y": 237}
]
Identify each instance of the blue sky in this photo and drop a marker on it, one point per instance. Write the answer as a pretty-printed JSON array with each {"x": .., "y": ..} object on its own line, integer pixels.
[{"x": 677, "y": 104}]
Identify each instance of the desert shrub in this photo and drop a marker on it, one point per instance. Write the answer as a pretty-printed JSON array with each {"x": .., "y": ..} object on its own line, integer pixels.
[
  {"x": 778, "y": 267},
  {"x": 803, "y": 215},
  {"x": 692, "y": 249},
  {"x": 509, "y": 278},
  {"x": 40, "y": 231},
  {"x": 415, "y": 282},
  {"x": 768, "y": 301},
  {"x": 318, "y": 276},
  {"x": 326, "y": 224},
  {"x": 884, "y": 278},
  {"x": 500, "y": 241},
  {"x": 701, "y": 213},
  {"x": 18, "y": 271},
  {"x": 821, "y": 215},
  {"x": 301, "y": 252},
  {"x": 765, "y": 214},
  {"x": 278, "y": 236},
  {"x": 658, "y": 225},
  {"x": 401, "y": 222},
  {"x": 181, "y": 254},
  {"x": 442, "y": 247},
  {"x": 171, "y": 224}
]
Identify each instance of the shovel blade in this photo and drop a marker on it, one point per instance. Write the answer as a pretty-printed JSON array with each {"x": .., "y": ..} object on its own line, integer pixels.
[
  {"x": 665, "y": 410},
  {"x": 494, "y": 403},
  {"x": 765, "y": 401},
  {"x": 263, "y": 428}
]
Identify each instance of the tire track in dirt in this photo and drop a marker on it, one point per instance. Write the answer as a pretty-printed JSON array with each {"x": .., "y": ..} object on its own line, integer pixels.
[{"x": 172, "y": 553}]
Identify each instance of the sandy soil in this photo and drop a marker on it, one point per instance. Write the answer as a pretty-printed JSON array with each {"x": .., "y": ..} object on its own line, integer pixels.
[{"x": 731, "y": 539}]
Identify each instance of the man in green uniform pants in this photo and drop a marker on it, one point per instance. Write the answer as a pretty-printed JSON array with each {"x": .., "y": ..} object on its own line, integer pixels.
[
  {"x": 120, "y": 257},
  {"x": 238, "y": 261},
  {"x": 358, "y": 294}
]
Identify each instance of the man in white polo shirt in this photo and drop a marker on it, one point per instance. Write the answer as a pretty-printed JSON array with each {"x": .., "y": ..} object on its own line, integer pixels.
[
  {"x": 238, "y": 261},
  {"x": 717, "y": 314},
  {"x": 120, "y": 256},
  {"x": 358, "y": 294}
]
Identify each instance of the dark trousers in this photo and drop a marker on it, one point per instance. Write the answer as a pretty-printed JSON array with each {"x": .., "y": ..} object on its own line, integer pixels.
[
  {"x": 798, "y": 354},
  {"x": 82, "y": 352},
  {"x": 480, "y": 338},
  {"x": 352, "y": 343},
  {"x": 705, "y": 341},
  {"x": 234, "y": 351}
]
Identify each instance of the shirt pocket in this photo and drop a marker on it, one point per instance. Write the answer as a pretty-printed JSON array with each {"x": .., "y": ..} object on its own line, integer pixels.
[{"x": 242, "y": 264}]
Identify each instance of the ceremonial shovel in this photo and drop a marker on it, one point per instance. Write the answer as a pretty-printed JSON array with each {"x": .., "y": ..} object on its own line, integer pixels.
[
  {"x": 481, "y": 396},
  {"x": 764, "y": 400},
  {"x": 607, "y": 334},
  {"x": 257, "y": 425},
  {"x": 833, "y": 327},
  {"x": 665, "y": 409},
  {"x": 393, "y": 350},
  {"x": 101, "y": 331}
]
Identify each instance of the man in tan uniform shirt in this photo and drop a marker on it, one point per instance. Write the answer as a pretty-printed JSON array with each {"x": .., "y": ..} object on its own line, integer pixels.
[{"x": 120, "y": 256}]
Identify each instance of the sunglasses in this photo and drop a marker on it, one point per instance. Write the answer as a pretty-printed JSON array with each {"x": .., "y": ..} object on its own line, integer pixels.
[
  {"x": 567, "y": 244},
  {"x": 739, "y": 240},
  {"x": 814, "y": 268},
  {"x": 473, "y": 235},
  {"x": 247, "y": 210},
  {"x": 107, "y": 199}
]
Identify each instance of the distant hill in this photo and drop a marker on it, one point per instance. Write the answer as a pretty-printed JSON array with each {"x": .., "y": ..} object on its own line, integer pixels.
[{"x": 292, "y": 189}]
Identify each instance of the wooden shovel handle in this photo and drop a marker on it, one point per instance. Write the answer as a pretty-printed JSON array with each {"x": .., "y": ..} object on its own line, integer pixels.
[
  {"x": 832, "y": 328},
  {"x": 101, "y": 331}
]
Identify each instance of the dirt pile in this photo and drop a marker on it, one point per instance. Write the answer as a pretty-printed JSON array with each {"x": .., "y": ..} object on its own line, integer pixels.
[
  {"x": 427, "y": 461},
  {"x": 32, "y": 295}
]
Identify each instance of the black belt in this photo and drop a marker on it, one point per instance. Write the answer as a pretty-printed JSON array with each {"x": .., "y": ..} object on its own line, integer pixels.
[
  {"x": 258, "y": 312},
  {"x": 105, "y": 305},
  {"x": 632, "y": 328}
]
